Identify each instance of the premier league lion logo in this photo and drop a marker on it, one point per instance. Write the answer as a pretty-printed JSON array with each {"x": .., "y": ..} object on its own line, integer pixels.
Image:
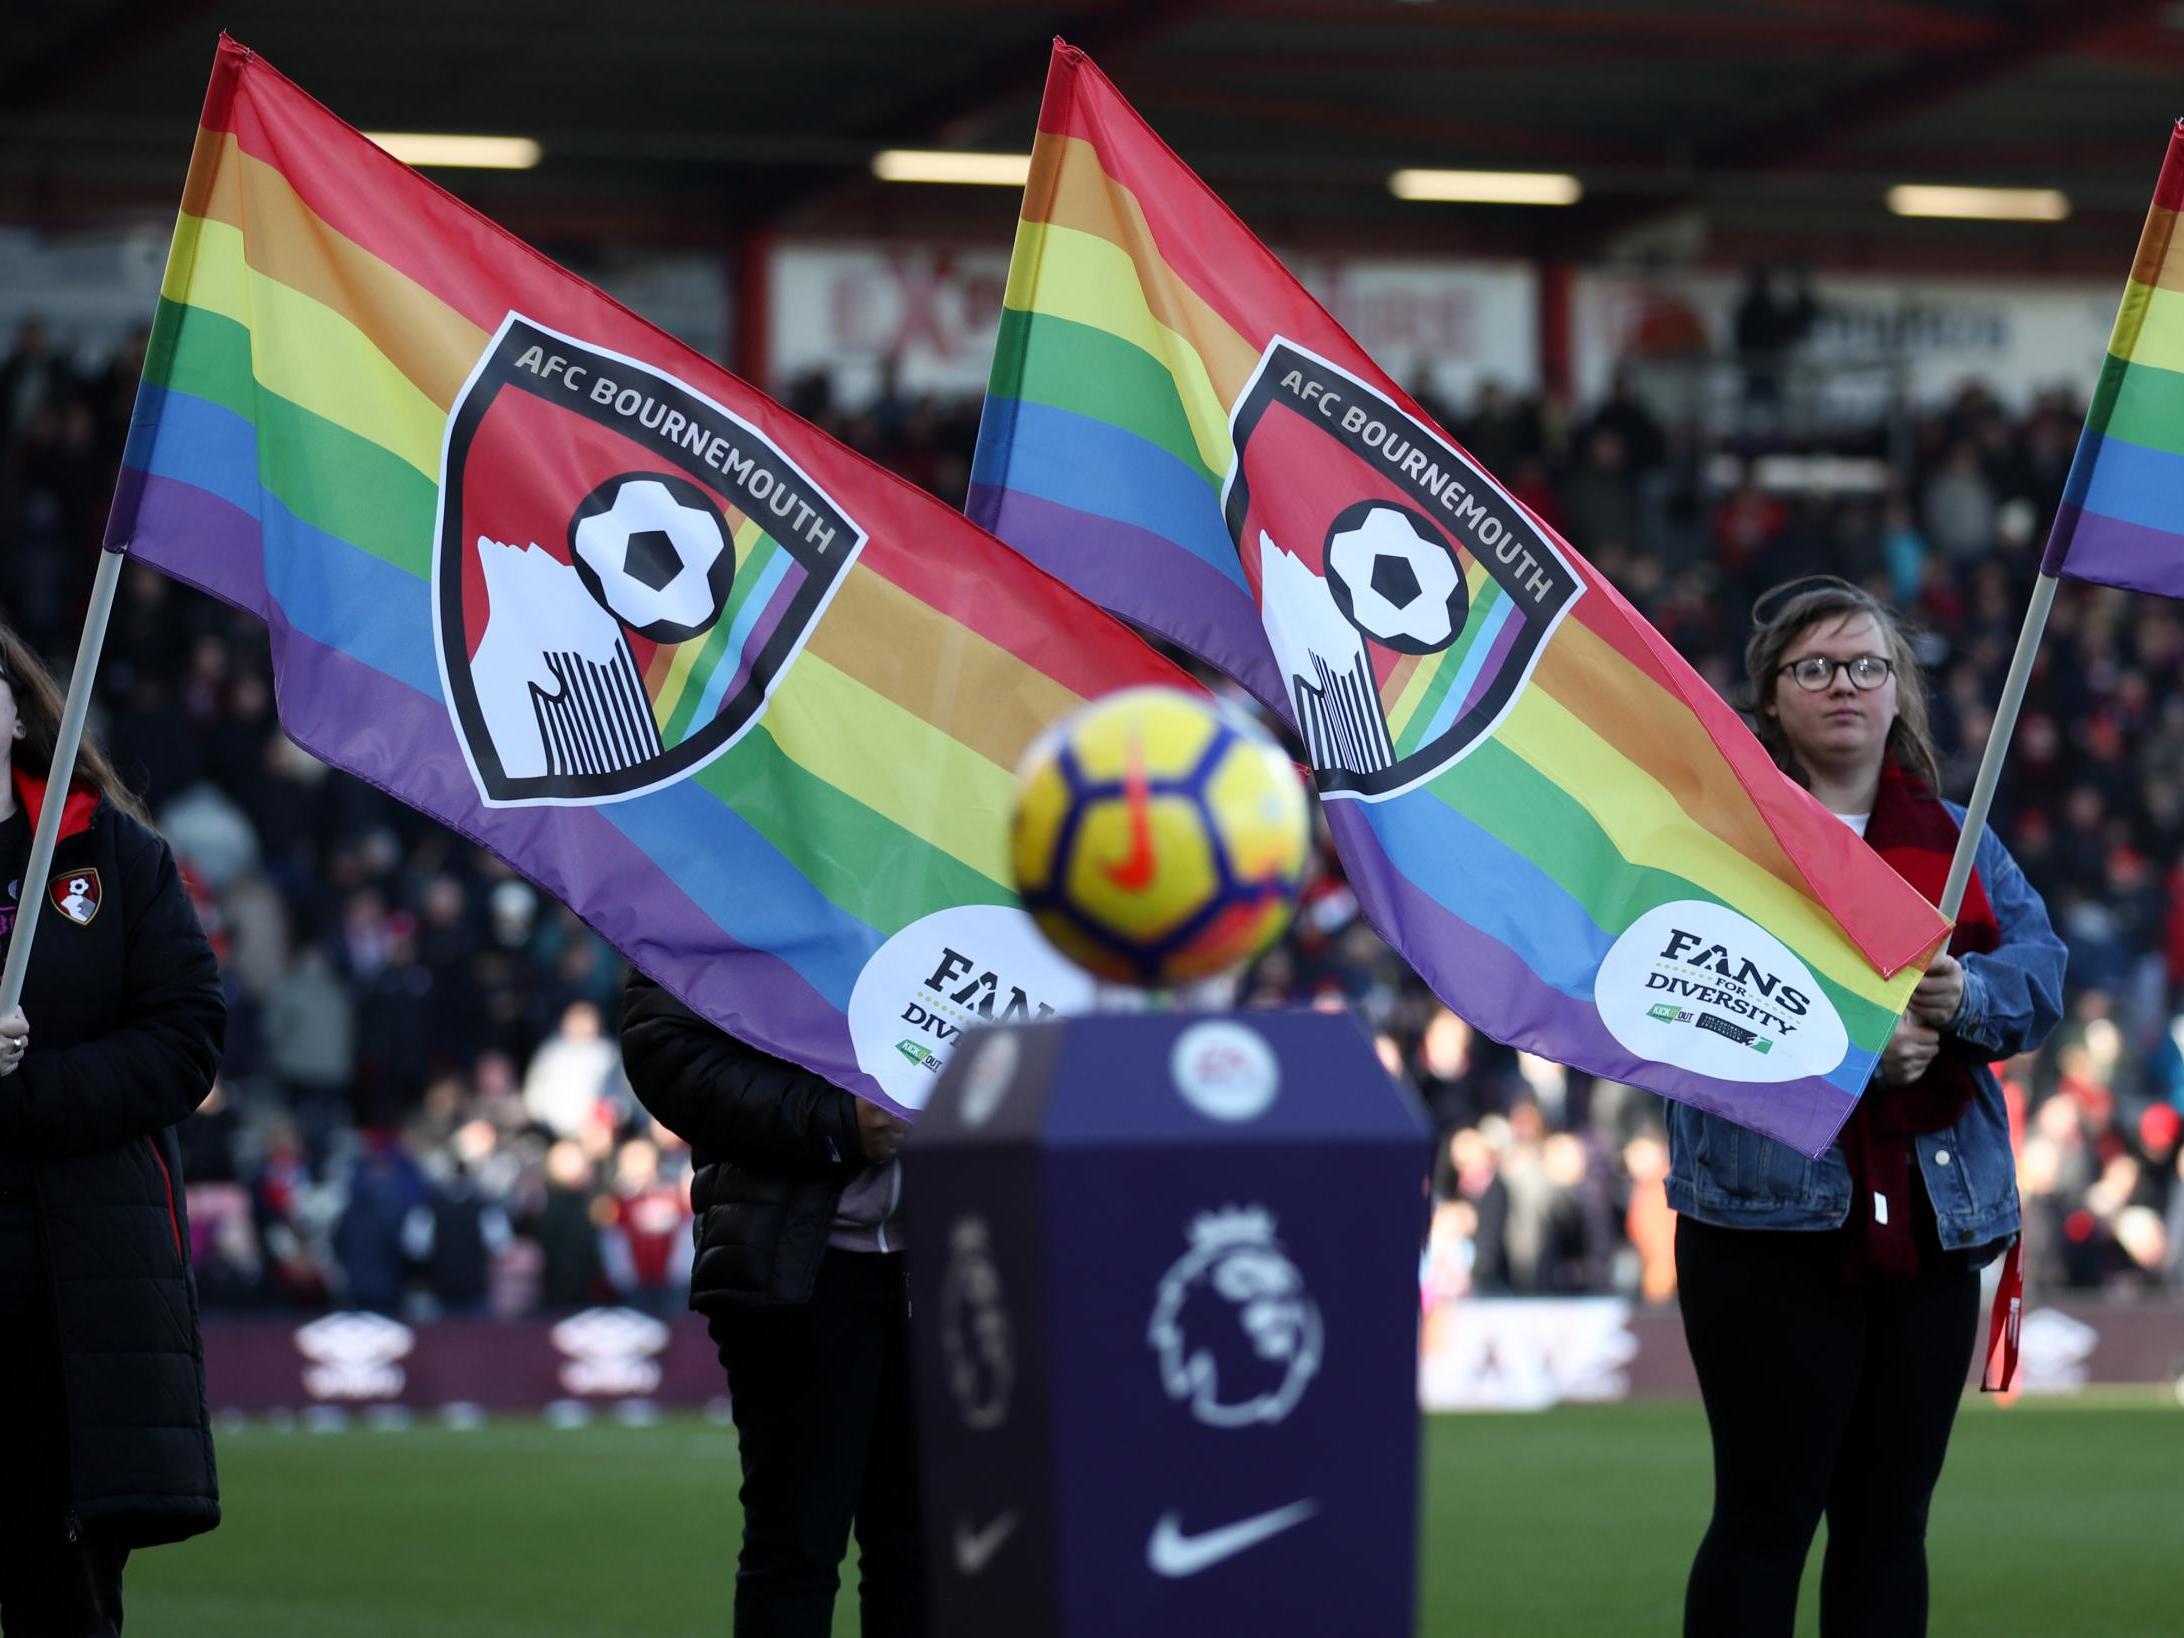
[
  {"x": 977, "y": 1341},
  {"x": 1238, "y": 1335}
]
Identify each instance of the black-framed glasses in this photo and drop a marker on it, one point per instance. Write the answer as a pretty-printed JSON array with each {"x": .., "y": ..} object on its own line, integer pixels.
[{"x": 1816, "y": 671}]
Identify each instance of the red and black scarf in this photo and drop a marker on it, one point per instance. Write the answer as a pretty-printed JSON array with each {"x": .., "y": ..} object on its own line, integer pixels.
[{"x": 1918, "y": 836}]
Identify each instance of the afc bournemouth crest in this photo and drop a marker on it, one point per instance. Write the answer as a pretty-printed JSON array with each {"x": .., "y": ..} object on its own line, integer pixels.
[
  {"x": 1405, "y": 594},
  {"x": 76, "y": 895},
  {"x": 624, "y": 570}
]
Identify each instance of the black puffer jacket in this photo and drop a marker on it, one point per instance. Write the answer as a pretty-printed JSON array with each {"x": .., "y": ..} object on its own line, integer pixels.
[
  {"x": 126, "y": 1024},
  {"x": 774, "y": 1145}
]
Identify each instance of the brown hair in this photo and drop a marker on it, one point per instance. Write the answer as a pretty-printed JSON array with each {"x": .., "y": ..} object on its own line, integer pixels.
[
  {"x": 1784, "y": 614},
  {"x": 38, "y": 708}
]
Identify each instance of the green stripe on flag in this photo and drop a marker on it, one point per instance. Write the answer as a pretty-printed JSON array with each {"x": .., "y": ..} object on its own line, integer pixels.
[
  {"x": 2142, "y": 404},
  {"x": 1532, "y": 816},
  {"x": 329, "y": 477},
  {"x": 874, "y": 869},
  {"x": 1452, "y": 663},
  {"x": 748, "y": 574},
  {"x": 1070, "y": 366}
]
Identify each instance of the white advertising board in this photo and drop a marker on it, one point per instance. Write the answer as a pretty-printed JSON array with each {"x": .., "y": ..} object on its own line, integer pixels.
[
  {"x": 2017, "y": 336},
  {"x": 847, "y": 309}
]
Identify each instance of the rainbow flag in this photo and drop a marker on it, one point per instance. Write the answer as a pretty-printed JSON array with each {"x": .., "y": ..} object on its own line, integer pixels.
[
  {"x": 1554, "y": 818},
  {"x": 2121, "y": 522},
  {"x": 747, "y": 703}
]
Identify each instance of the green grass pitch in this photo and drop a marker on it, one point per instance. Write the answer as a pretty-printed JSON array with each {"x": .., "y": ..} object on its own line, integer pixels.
[{"x": 2053, "y": 1519}]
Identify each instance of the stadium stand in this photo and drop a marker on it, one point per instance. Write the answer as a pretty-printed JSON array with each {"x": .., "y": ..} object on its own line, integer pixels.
[{"x": 422, "y": 1109}]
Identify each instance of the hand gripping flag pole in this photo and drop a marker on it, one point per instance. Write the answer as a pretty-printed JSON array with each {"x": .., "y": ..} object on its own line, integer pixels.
[{"x": 65, "y": 745}]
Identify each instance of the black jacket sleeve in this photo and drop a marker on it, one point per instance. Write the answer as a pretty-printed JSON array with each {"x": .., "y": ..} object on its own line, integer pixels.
[
  {"x": 726, "y": 1099},
  {"x": 156, "y": 1067}
]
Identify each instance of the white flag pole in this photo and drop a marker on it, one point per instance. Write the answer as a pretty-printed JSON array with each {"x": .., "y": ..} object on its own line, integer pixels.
[
  {"x": 65, "y": 746},
  {"x": 1998, "y": 745}
]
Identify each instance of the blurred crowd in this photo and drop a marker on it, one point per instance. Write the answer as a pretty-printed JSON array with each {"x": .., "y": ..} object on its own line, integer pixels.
[{"x": 422, "y": 1109}]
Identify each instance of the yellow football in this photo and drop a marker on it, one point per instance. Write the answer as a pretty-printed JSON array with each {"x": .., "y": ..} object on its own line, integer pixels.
[{"x": 1158, "y": 839}]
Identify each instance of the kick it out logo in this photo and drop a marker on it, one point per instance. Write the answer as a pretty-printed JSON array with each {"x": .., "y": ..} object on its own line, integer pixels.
[
  {"x": 1699, "y": 986},
  {"x": 946, "y": 975}
]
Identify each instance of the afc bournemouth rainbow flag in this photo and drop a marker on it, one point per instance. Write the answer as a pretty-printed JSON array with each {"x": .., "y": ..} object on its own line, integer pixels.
[
  {"x": 1553, "y": 817},
  {"x": 747, "y": 703},
  {"x": 2121, "y": 522}
]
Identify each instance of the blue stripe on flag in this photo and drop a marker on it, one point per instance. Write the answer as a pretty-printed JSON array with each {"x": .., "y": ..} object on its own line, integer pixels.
[
  {"x": 731, "y": 658},
  {"x": 337, "y": 594},
  {"x": 1094, "y": 466},
  {"x": 2133, "y": 483},
  {"x": 1479, "y": 878},
  {"x": 193, "y": 440},
  {"x": 741, "y": 880},
  {"x": 1444, "y": 716}
]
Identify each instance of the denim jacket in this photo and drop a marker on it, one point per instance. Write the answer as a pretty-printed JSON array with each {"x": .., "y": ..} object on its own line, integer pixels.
[{"x": 1726, "y": 1175}]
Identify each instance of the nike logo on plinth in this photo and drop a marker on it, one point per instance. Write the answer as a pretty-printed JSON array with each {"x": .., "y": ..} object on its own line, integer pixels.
[
  {"x": 974, "y": 1549},
  {"x": 1171, "y": 1553}
]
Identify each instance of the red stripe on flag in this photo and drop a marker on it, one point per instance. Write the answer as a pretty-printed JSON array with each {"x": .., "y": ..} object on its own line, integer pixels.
[
  {"x": 2169, "y": 191},
  {"x": 1017, "y": 606},
  {"x": 404, "y": 219},
  {"x": 1198, "y": 237}
]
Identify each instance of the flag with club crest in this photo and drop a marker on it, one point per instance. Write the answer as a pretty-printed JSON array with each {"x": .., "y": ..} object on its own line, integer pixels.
[
  {"x": 1573, "y": 839},
  {"x": 747, "y": 703}
]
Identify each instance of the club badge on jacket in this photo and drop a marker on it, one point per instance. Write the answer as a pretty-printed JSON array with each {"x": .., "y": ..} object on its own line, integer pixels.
[{"x": 76, "y": 895}]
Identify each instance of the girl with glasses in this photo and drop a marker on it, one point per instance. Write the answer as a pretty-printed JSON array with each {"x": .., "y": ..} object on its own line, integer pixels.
[{"x": 1831, "y": 1305}]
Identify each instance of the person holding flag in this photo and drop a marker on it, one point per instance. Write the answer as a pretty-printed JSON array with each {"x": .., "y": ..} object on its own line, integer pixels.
[
  {"x": 1831, "y": 1304},
  {"x": 802, "y": 1278},
  {"x": 749, "y": 705},
  {"x": 1540, "y": 805},
  {"x": 107, "y": 1443}
]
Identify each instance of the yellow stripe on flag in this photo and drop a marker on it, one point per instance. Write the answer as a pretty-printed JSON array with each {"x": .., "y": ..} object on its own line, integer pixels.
[
  {"x": 1649, "y": 828},
  {"x": 895, "y": 763},
  {"x": 287, "y": 241},
  {"x": 1089, "y": 280},
  {"x": 303, "y": 350}
]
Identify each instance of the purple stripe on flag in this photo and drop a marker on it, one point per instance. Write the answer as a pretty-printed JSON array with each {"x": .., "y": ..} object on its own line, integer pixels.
[
  {"x": 2110, "y": 552},
  {"x": 1456, "y": 958},
  {"x": 1146, "y": 578},
  {"x": 359, "y": 719},
  {"x": 755, "y": 641},
  {"x": 185, "y": 524},
  {"x": 1496, "y": 657}
]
